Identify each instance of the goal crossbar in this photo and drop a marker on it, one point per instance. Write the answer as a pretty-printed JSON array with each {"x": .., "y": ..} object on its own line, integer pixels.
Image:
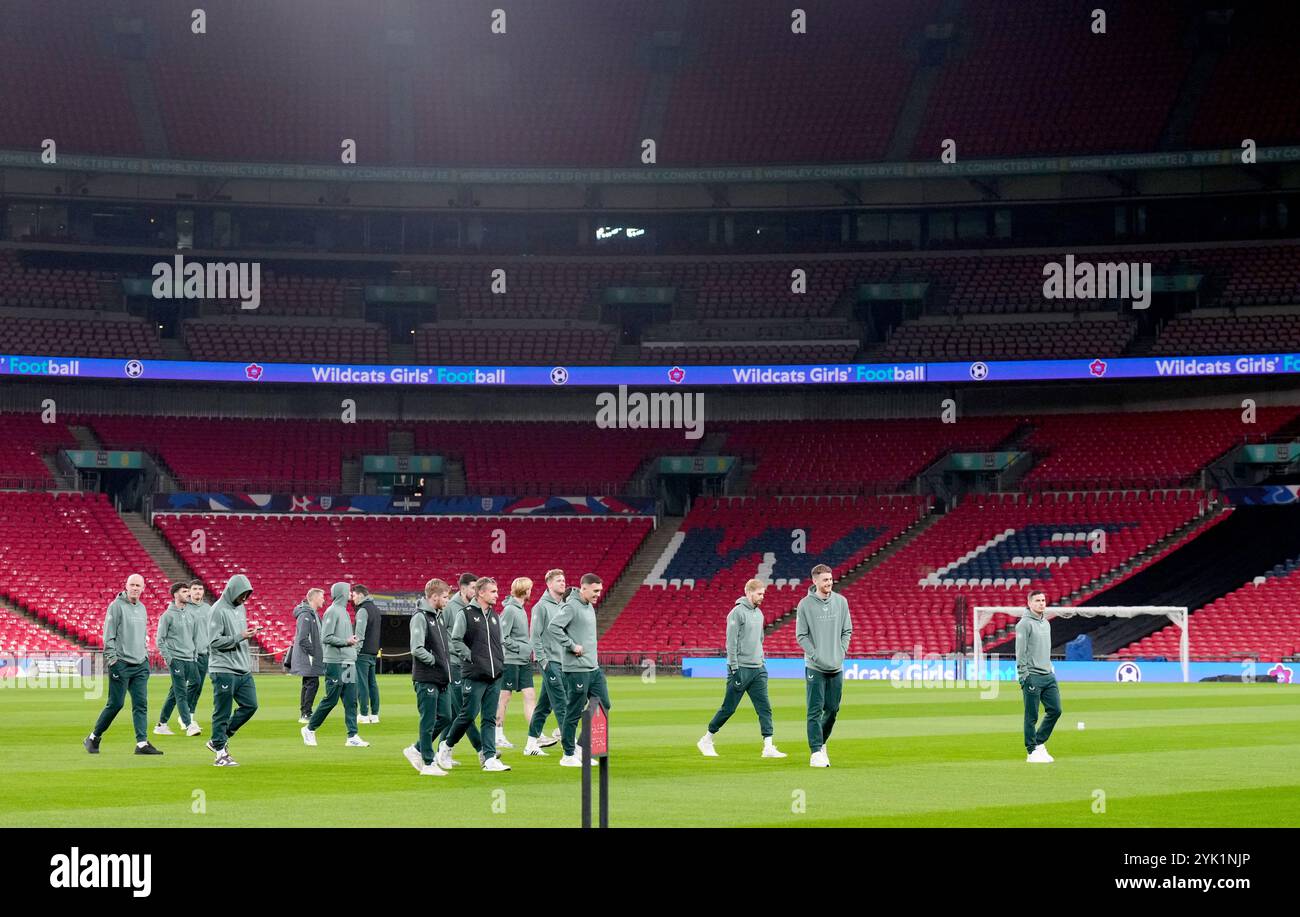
[{"x": 982, "y": 614}]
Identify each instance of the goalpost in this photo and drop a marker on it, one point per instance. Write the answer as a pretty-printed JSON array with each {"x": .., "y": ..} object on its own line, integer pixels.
[{"x": 982, "y": 614}]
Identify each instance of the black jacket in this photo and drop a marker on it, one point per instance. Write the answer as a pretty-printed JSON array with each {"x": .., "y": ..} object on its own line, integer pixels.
[
  {"x": 368, "y": 643},
  {"x": 437, "y": 644},
  {"x": 483, "y": 638}
]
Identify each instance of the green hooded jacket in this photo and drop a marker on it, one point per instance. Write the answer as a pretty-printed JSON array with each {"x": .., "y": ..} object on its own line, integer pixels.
[
  {"x": 200, "y": 615},
  {"x": 175, "y": 636},
  {"x": 823, "y": 628},
  {"x": 547, "y": 648},
  {"x": 575, "y": 623},
  {"x": 337, "y": 627},
  {"x": 227, "y": 647},
  {"x": 744, "y": 635},
  {"x": 514, "y": 633},
  {"x": 1033, "y": 646},
  {"x": 126, "y": 632}
]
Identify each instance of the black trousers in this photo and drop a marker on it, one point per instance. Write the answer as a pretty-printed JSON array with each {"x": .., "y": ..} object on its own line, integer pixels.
[{"x": 310, "y": 685}]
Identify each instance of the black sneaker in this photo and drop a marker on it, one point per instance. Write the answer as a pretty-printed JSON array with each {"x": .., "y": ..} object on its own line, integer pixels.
[
  {"x": 146, "y": 749},
  {"x": 91, "y": 745}
]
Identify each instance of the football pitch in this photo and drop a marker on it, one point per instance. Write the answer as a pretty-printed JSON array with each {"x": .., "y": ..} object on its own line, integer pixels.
[{"x": 1149, "y": 755}]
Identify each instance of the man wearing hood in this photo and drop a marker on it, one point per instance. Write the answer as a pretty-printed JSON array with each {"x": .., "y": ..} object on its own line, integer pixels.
[
  {"x": 479, "y": 630},
  {"x": 746, "y": 672},
  {"x": 430, "y": 676},
  {"x": 574, "y": 627},
  {"x": 368, "y": 639},
  {"x": 453, "y": 613},
  {"x": 200, "y": 617},
  {"x": 126, "y": 656},
  {"x": 340, "y": 669},
  {"x": 230, "y": 666},
  {"x": 519, "y": 656},
  {"x": 823, "y": 628},
  {"x": 306, "y": 654},
  {"x": 549, "y": 653},
  {"x": 175, "y": 641}
]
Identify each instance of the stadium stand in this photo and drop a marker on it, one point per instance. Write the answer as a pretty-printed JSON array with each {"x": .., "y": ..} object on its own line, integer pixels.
[
  {"x": 514, "y": 346},
  {"x": 723, "y": 542},
  {"x": 1240, "y": 333},
  {"x": 26, "y": 439},
  {"x": 230, "y": 454},
  {"x": 1139, "y": 449},
  {"x": 537, "y": 458},
  {"x": 846, "y": 457},
  {"x": 1024, "y": 85},
  {"x": 1262, "y": 618},
  {"x": 284, "y": 556},
  {"x": 340, "y": 342},
  {"x": 990, "y": 549},
  {"x": 64, "y": 556},
  {"x": 1003, "y": 340}
]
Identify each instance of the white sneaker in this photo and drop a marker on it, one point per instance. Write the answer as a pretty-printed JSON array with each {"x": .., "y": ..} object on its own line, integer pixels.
[
  {"x": 374, "y": 719},
  {"x": 819, "y": 759},
  {"x": 1039, "y": 756},
  {"x": 363, "y": 719},
  {"x": 547, "y": 741},
  {"x": 162, "y": 729},
  {"x": 481, "y": 759},
  {"x": 502, "y": 741},
  {"x": 444, "y": 758},
  {"x": 570, "y": 761},
  {"x": 1043, "y": 749},
  {"x": 192, "y": 729},
  {"x": 705, "y": 745},
  {"x": 771, "y": 751},
  {"x": 555, "y": 733},
  {"x": 413, "y": 755},
  {"x": 308, "y": 737},
  {"x": 304, "y": 720},
  {"x": 356, "y": 742},
  {"x": 533, "y": 749},
  {"x": 495, "y": 764},
  {"x": 432, "y": 770}
]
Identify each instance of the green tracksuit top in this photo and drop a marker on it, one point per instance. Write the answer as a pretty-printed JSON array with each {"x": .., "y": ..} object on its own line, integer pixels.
[
  {"x": 126, "y": 631},
  {"x": 823, "y": 628},
  {"x": 453, "y": 612},
  {"x": 575, "y": 623},
  {"x": 1033, "y": 646},
  {"x": 175, "y": 637},
  {"x": 547, "y": 648},
  {"x": 744, "y": 635},
  {"x": 337, "y": 628},
  {"x": 200, "y": 615},
  {"x": 227, "y": 648},
  {"x": 514, "y": 633}
]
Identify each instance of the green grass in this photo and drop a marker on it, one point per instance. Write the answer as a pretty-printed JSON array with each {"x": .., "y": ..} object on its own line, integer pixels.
[{"x": 1168, "y": 755}]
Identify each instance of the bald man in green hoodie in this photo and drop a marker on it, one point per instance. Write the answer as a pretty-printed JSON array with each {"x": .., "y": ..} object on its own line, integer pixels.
[
  {"x": 230, "y": 667},
  {"x": 823, "y": 628},
  {"x": 126, "y": 654}
]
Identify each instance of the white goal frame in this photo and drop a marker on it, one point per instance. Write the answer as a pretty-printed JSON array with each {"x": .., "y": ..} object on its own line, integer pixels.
[{"x": 982, "y": 614}]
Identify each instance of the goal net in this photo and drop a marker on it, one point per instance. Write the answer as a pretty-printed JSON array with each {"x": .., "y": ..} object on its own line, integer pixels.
[{"x": 982, "y": 614}]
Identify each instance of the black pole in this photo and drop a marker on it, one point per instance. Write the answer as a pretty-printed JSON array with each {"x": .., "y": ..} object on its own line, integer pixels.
[
  {"x": 604, "y": 792},
  {"x": 586, "y": 767}
]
